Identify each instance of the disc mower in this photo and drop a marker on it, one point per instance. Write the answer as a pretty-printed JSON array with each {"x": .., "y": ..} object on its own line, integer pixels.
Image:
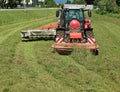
[
  {"x": 74, "y": 29},
  {"x": 45, "y": 31}
]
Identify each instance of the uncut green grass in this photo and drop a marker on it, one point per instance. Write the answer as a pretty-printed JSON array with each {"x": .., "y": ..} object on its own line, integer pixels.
[
  {"x": 22, "y": 15},
  {"x": 31, "y": 67}
]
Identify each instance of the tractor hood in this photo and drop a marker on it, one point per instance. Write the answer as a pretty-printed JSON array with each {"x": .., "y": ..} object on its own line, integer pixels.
[{"x": 74, "y": 24}]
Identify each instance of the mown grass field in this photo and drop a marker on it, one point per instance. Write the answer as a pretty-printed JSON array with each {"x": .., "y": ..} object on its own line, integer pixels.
[{"x": 31, "y": 67}]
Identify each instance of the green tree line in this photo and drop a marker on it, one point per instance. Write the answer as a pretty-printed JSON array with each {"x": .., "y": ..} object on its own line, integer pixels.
[
  {"x": 9, "y": 3},
  {"x": 111, "y": 6}
]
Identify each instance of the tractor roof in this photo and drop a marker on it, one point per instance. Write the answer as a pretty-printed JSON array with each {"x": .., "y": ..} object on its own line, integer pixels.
[{"x": 77, "y": 6}]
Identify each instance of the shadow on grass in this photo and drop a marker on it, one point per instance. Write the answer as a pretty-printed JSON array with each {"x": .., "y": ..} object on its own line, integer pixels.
[
  {"x": 38, "y": 39},
  {"x": 77, "y": 52},
  {"x": 64, "y": 53}
]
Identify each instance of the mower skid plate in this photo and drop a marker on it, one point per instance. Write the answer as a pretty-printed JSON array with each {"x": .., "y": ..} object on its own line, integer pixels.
[{"x": 69, "y": 46}]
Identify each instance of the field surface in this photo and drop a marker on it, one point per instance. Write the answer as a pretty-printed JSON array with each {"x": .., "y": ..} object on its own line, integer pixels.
[{"x": 31, "y": 67}]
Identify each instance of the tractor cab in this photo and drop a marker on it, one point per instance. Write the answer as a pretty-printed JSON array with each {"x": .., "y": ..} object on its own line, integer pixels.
[{"x": 74, "y": 14}]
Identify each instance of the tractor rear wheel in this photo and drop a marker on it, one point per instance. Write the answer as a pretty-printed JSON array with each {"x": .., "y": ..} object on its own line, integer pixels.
[
  {"x": 60, "y": 32},
  {"x": 89, "y": 33}
]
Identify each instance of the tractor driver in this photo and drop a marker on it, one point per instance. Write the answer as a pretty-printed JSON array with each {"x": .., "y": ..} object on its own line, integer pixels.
[{"x": 74, "y": 14}]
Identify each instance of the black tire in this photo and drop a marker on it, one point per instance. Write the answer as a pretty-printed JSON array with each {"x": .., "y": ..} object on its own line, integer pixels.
[
  {"x": 89, "y": 33},
  {"x": 95, "y": 52},
  {"x": 60, "y": 32}
]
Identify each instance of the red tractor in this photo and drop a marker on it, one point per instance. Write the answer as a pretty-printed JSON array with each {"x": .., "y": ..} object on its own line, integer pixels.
[{"x": 74, "y": 30}]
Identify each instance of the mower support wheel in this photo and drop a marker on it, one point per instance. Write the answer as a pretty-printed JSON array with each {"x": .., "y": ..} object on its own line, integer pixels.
[
  {"x": 53, "y": 50},
  {"x": 95, "y": 52}
]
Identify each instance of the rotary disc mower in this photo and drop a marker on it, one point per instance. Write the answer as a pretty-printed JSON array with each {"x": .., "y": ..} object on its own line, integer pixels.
[{"x": 44, "y": 31}]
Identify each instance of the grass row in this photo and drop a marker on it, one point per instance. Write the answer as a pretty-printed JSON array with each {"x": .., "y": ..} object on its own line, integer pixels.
[{"x": 11, "y": 55}]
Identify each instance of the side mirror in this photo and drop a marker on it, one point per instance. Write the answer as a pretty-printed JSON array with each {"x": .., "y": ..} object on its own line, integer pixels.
[
  {"x": 89, "y": 13},
  {"x": 57, "y": 13}
]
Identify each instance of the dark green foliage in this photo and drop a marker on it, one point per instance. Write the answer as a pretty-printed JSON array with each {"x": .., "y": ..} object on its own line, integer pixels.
[
  {"x": 96, "y": 2},
  {"x": 68, "y": 2},
  {"x": 118, "y": 2},
  {"x": 79, "y": 2},
  {"x": 89, "y": 1},
  {"x": 9, "y": 3},
  {"x": 50, "y": 3},
  {"x": 2, "y": 3},
  {"x": 108, "y": 6},
  {"x": 111, "y": 7}
]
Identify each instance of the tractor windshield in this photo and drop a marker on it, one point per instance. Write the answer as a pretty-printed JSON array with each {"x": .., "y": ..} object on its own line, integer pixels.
[{"x": 74, "y": 14}]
